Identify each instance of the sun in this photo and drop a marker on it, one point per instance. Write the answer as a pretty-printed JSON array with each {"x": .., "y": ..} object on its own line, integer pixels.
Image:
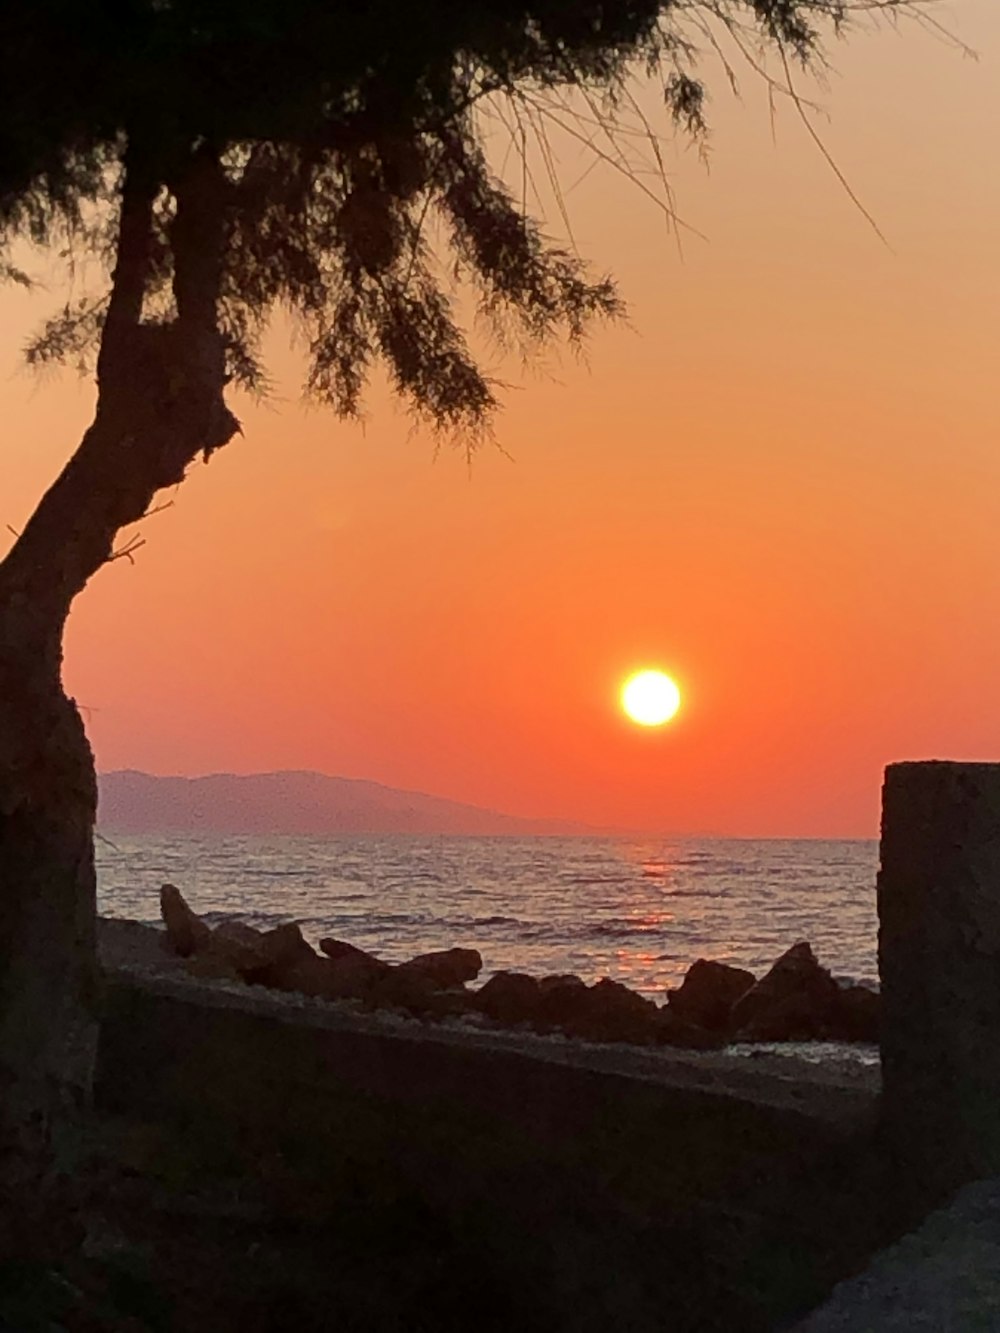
[{"x": 650, "y": 698}]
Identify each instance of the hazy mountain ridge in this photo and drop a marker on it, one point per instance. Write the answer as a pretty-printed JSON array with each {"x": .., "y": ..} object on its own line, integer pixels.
[{"x": 297, "y": 803}]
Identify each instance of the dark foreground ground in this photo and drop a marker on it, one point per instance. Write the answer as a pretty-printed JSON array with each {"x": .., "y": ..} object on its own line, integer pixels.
[
  {"x": 177, "y": 1240},
  {"x": 262, "y": 1171}
]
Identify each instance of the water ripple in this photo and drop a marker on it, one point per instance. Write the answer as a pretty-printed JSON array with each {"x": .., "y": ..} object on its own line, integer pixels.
[{"x": 638, "y": 910}]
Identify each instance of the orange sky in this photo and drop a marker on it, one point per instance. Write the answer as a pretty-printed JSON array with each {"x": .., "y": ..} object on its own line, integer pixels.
[{"x": 782, "y": 484}]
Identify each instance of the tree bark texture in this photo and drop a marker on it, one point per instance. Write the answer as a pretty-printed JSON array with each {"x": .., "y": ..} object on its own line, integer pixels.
[
  {"x": 160, "y": 404},
  {"x": 48, "y": 973}
]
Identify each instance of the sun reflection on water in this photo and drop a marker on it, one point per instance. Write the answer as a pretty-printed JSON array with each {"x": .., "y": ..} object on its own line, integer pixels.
[{"x": 640, "y": 911}]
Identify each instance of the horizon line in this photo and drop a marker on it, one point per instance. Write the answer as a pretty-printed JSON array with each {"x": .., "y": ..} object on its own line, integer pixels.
[{"x": 588, "y": 828}]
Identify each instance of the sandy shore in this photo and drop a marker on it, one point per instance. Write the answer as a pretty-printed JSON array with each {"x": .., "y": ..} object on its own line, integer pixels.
[{"x": 826, "y": 1081}]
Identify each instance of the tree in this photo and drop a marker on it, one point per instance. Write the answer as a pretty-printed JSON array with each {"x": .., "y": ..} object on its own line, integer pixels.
[{"x": 224, "y": 157}]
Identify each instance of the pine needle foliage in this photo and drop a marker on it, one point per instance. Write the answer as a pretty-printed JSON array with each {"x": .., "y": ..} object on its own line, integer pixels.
[{"x": 347, "y": 132}]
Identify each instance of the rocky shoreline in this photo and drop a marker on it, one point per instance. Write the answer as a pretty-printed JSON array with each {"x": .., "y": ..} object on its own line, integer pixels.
[
  {"x": 717, "y": 1005},
  {"x": 825, "y": 1081},
  {"x": 266, "y": 1158},
  {"x": 387, "y": 1157}
]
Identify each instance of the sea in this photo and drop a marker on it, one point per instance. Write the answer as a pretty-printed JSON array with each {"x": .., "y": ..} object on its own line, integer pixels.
[{"x": 637, "y": 910}]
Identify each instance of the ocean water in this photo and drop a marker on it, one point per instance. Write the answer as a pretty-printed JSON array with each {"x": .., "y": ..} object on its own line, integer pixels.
[{"x": 639, "y": 911}]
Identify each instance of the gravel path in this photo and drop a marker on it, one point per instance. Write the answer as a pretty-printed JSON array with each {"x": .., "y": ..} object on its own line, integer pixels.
[{"x": 944, "y": 1277}]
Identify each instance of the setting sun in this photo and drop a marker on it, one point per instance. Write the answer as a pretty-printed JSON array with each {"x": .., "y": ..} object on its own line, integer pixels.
[{"x": 650, "y": 698}]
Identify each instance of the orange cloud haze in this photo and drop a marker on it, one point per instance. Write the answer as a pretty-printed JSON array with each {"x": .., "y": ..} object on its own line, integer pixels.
[{"x": 780, "y": 483}]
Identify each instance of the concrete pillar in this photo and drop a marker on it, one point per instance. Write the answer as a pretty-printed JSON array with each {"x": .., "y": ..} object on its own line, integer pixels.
[{"x": 939, "y": 959}]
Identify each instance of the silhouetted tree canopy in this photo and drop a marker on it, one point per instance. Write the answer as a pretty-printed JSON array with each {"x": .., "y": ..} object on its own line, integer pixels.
[
  {"x": 221, "y": 159},
  {"x": 343, "y": 132}
]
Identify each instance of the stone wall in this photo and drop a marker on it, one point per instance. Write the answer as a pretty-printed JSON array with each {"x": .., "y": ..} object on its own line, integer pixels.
[
  {"x": 588, "y": 1199},
  {"x": 939, "y": 960}
]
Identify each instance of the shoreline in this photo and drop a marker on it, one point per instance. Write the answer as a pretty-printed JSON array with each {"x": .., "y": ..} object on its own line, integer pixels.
[
  {"x": 380, "y": 1164},
  {"x": 831, "y": 1082}
]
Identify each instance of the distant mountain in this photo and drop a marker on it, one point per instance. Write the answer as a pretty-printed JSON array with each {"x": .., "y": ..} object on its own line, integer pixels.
[{"x": 293, "y": 802}]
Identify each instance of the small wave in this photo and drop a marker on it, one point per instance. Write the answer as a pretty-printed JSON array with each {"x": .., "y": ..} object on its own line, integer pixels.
[
  {"x": 592, "y": 906},
  {"x": 596, "y": 879},
  {"x": 270, "y": 872},
  {"x": 260, "y": 920},
  {"x": 372, "y": 920},
  {"x": 464, "y": 923},
  {"x": 615, "y": 932},
  {"x": 697, "y": 893},
  {"x": 410, "y": 879}
]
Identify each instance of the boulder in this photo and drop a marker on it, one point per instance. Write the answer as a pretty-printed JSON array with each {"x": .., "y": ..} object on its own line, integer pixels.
[
  {"x": 447, "y": 967},
  {"x": 672, "y": 1030},
  {"x": 318, "y": 977},
  {"x": 340, "y": 950},
  {"x": 857, "y": 1014},
  {"x": 283, "y": 944},
  {"x": 416, "y": 993},
  {"x": 606, "y": 1011},
  {"x": 402, "y": 988},
  {"x": 795, "y": 1001},
  {"x": 708, "y": 992},
  {"x": 559, "y": 979},
  {"x": 277, "y": 952},
  {"x": 509, "y": 998},
  {"x": 352, "y": 977},
  {"x": 449, "y": 1003},
  {"x": 354, "y": 970},
  {"x": 186, "y": 932},
  {"x": 238, "y": 944},
  {"x": 620, "y": 1014},
  {"x": 561, "y": 999},
  {"x": 795, "y": 1017},
  {"x": 210, "y": 967}
]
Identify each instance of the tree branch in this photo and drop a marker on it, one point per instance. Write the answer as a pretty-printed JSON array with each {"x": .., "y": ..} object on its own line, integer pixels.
[{"x": 135, "y": 235}]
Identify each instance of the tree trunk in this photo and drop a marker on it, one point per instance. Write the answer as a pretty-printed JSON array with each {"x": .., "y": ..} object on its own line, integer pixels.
[
  {"x": 160, "y": 404},
  {"x": 48, "y": 972}
]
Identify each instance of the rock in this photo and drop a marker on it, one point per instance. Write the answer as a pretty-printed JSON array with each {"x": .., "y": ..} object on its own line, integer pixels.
[
  {"x": 560, "y": 981},
  {"x": 561, "y": 998},
  {"x": 237, "y": 932},
  {"x": 283, "y": 944},
  {"x": 277, "y": 952},
  {"x": 606, "y": 1011},
  {"x": 210, "y": 967},
  {"x": 449, "y": 1003},
  {"x": 672, "y": 1030},
  {"x": 448, "y": 967},
  {"x": 708, "y": 992},
  {"x": 354, "y": 971},
  {"x": 310, "y": 974},
  {"x": 510, "y": 997},
  {"x": 306, "y": 974},
  {"x": 795, "y": 1001},
  {"x": 620, "y": 1014},
  {"x": 316, "y": 976},
  {"x": 795, "y": 1017},
  {"x": 186, "y": 932},
  {"x": 352, "y": 976},
  {"x": 402, "y": 988},
  {"x": 340, "y": 950},
  {"x": 238, "y": 944},
  {"x": 858, "y": 1013}
]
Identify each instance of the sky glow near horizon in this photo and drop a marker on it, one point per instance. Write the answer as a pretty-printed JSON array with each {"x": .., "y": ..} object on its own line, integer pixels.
[{"x": 782, "y": 478}]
